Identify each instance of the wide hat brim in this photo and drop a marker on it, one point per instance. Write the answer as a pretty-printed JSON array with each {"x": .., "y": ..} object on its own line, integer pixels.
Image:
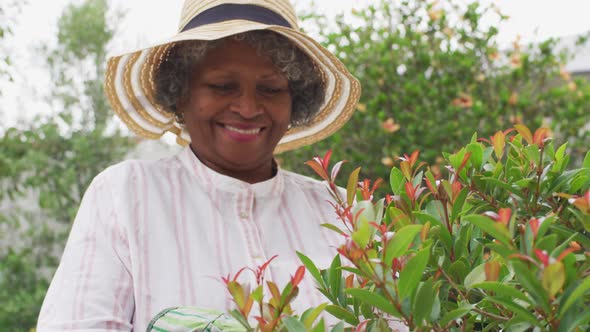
[{"x": 129, "y": 86}]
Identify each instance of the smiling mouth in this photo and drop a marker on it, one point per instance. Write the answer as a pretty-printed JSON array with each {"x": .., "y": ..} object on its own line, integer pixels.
[{"x": 253, "y": 131}]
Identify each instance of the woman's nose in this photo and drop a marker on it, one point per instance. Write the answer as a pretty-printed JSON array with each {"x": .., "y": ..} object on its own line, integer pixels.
[{"x": 247, "y": 104}]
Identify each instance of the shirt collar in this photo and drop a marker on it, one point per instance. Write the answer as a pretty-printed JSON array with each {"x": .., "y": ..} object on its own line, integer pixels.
[{"x": 212, "y": 180}]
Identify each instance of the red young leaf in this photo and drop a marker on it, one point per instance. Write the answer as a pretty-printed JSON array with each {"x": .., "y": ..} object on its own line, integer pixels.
[
  {"x": 504, "y": 215},
  {"x": 542, "y": 256},
  {"x": 540, "y": 135},
  {"x": 296, "y": 279},
  {"x": 349, "y": 282},
  {"x": 410, "y": 191},
  {"x": 361, "y": 326},
  {"x": 326, "y": 160},
  {"x": 318, "y": 168},
  {"x": 525, "y": 132},
  {"x": 534, "y": 223}
]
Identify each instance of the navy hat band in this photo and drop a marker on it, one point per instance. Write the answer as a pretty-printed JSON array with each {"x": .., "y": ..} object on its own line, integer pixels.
[{"x": 228, "y": 12}]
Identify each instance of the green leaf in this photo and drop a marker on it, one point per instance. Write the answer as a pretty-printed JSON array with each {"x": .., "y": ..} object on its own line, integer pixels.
[
  {"x": 443, "y": 234},
  {"x": 452, "y": 315},
  {"x": 563, "y": 179},
  {"x": 396, "y": 181},
  {"x": 553, "y": 278},
  {"x": 352, "y": 270},
  {"x": 533, "y": 154},
  {"x": 342, "y": 314},
  {"x": 476, "y": 276},
  {"x": 461, "y": 246},
  {"x": 374, "y": 299},
  {"x": 289, "y": 293},
  {"x": 459, "y": 269},
  {"x": 320, "y": 327},
  {"x": 519, "y": 311},
  {"x": 362, "y": 235},
  {"x": 545, "y": 226},
  {"x": 398, "y": 217},
  {"x": 257, "y": 294},
  {"x": 571, "y": 235},
  {"x": 339, "y": 327},
  {"x": 489, "y": 226},
  {"x": 476, "y": 157},
  {"x": 238, "y": 316},
  {"x": 379, "y": 208},
  {"x": 334, "y": 228},
  {"x": 411, "y": 275},
  {"x": 572, "y": 323},
  {"x": 586, "y": 162},
  {"x": 293, "y": 325},
  {"x": 366, "y": 310},
  {"x": 436, "y": 308},
  {"x": 423, "y": 301},
  {"x": 497, "y": 183},
  {"x": 531, "y": 284},
  {"x": 313, "y": 270},
  {"x": 582, "y": 289},
  {"x": 458, "y": 203},
  {"x": 237, "y": 293},
  {"x": 502, "y": 289},
  {"x": 515, "y": 324},
  {"x": 560, "y": 158},
  {"x": 400, "y": 242},
  {"x": 335, "y": 276},
  {"x": 352, "y": 185},
  {"x": 310, "y": 315}
]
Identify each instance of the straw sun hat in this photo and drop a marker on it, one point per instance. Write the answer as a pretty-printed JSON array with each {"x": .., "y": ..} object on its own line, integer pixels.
[{"x": 130, "y": 77}]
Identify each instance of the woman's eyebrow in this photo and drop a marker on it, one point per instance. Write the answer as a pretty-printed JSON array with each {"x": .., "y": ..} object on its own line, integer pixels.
[{"x": 229, "y": 72}]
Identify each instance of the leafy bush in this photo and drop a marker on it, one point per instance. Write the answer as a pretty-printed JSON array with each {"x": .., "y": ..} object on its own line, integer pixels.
[
  {"x": 497, "y": 241},
  {"x": 21, "y": 304},
  {"x": 501, "y": 242},
  {"x": 433, "y": 73}
]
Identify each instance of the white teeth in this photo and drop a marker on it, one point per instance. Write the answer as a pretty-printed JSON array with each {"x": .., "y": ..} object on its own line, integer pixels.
[{"x": 243, "y": 131}]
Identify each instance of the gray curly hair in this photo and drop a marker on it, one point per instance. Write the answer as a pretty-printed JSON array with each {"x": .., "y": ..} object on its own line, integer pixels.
[{"x": 306, "y": 85}]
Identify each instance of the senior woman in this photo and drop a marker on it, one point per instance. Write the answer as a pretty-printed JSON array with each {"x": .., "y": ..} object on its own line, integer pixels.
[{"x": 238, "y": 83}]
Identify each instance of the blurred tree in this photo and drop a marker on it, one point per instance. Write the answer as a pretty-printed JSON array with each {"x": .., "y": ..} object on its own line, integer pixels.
[
  {"x": 433, "y": 73},
  {"x": 8, "y": 11},
  {"x": 54, "y": 158}
]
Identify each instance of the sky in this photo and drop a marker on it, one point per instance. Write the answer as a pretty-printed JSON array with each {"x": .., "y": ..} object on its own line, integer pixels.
[{"x": 149, "y": 21}]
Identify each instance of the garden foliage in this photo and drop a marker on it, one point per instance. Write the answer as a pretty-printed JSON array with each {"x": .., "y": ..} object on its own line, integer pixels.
[
  {"x": 498, "y": 241},
  {"x": 50, "y": 162},
  {"x": 433, "y": 72}
]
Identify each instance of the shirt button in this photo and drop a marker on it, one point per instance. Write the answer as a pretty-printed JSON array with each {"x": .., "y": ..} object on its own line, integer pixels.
[{"x": 243, "y": 215}]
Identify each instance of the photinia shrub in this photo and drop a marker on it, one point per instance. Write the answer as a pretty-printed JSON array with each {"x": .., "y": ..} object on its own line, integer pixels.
[{"x": 496, "y": 240}]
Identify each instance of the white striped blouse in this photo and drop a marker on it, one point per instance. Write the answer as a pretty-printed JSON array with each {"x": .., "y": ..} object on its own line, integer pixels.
[{"x": 156, "y": 234}]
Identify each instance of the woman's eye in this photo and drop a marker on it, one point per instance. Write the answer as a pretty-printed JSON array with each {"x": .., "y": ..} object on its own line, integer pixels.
[
  {"x": 221, "y": 87},
  {"x": 269, "y": 90}
]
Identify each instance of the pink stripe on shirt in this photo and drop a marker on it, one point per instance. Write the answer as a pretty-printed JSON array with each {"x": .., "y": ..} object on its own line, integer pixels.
[
  {"x": 177, "y": 234},
  {"x": 186, "y": 242}
]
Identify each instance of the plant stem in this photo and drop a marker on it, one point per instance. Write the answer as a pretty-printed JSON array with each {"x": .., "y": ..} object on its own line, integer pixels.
[
  {"x": 538, "y": 189},
  {"x": 449, "y": 227},
  {"x": 490, "y": 315}
]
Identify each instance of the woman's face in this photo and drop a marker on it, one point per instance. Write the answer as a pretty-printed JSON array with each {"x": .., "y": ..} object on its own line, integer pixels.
[{"x": 238, "y": 108}]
